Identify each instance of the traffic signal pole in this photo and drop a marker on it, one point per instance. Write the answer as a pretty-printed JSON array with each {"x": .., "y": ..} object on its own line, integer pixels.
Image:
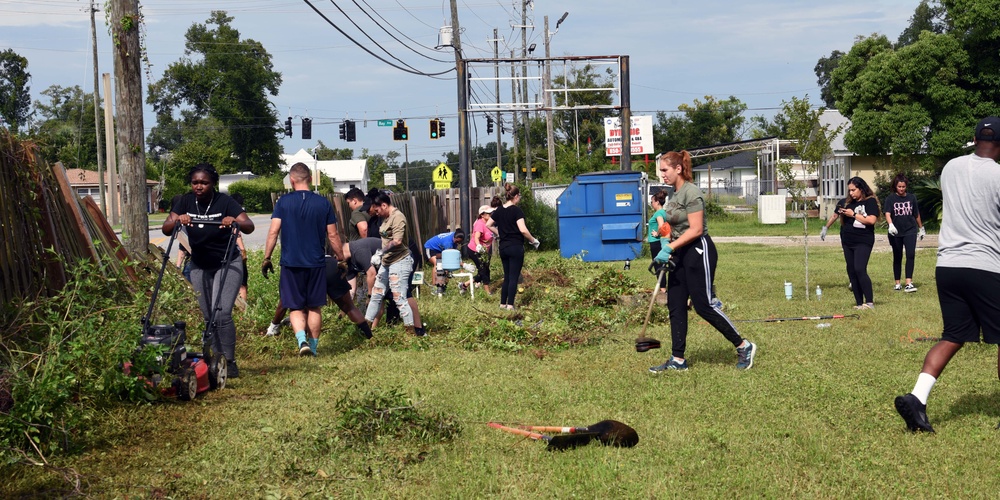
[{"x": 463, "y": 122}]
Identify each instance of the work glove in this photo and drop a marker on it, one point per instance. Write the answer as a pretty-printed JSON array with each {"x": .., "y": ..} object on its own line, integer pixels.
[
  {"x": 892, "y": 229},
  {"x": 266, "y": 267},
  {"x": 664, "y": 254},
  {"x": 921, "y": 233},
  {"x": 536, "y": 243},
  {"x": 822, "y": 234},
  {"x": 480, "y": 249},
  {"x": 377, "y": 259}
]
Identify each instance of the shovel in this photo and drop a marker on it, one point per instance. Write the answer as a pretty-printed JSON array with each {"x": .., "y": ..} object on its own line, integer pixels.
[
  {"x": 557, "y": 442},
  {"x": 609, "y": 432},
  {"x": 644, "y": 343}
]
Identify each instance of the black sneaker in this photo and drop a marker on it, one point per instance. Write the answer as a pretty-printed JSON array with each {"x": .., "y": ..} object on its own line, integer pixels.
[
  {"x": 304, "y": 349},
  {"x": 914, "y": 413},
  {"x": 232, "y": 371}
]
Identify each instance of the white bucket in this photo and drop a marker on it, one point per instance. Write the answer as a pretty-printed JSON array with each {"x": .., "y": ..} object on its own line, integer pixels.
[{"x": 451, "y": 259}]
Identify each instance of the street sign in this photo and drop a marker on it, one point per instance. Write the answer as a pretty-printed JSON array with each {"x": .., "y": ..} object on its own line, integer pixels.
[
  {"x": 389, "y": 178},
  {"x": 442, "y": 176},
  {"x": 385, "y": 123},
  {"x": 496, "y": 174},
  {"x": 510, "y": 176}
]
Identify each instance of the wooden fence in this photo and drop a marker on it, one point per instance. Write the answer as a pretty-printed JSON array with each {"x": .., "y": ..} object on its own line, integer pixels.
[{"x": 44, "y": 228}]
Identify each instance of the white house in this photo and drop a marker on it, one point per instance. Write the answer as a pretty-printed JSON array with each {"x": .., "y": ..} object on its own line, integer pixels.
[
  {"x": 345, "y": 174},
  {"x": 729, "y": 175}
]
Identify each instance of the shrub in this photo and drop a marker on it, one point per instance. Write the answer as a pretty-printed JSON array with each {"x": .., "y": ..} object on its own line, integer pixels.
[
  {"x": 542, "y": 220},
  {"x": 257, "y": 192}
]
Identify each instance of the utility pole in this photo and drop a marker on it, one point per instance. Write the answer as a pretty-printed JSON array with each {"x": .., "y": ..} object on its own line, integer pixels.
[
  {"x": 549, "y": 134},
  {"x": 626, "y": 115},
  {"x": 496, "y": 77},
  {"x": 406, "y": 159},
  {"x": 131, "y": 140},
  {"x": 524, "y": 87},
  {"x": 461, "y": 73},
  {"x": 109, "y": 132},
  {"x": 513, "y": 114},
  {"x": 97, "y": 115}
]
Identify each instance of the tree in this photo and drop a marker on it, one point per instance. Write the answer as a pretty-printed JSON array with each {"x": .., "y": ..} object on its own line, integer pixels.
[
  {"x": 575, "y": 127},
  {"x": 926, "y": 17},
  {"x": 230, "y": 83},
  {"x": 65, "y": 130},
  {"x": 702, "y": 124},
  {"x": 824, "y": 68},
  {"x": 324, "y": 153},
  {"x": 15, "y": 96},
  {"x": 906, "y": 101},
  {"x": 812, "y": 144},
  {"x": 125, "y": 23}
]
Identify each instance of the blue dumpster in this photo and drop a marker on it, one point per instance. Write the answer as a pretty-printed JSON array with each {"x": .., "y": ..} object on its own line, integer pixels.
[{"x": 601, "y": 216}]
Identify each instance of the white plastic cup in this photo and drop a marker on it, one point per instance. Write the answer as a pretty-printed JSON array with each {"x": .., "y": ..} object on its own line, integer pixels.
[{"x": 788, "y": 291}]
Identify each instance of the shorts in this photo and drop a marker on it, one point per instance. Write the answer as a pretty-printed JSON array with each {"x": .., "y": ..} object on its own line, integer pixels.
[
  {"x": 302, "y": 287},
  {"x": 432, "y": 254},
  {"x": 336, "y": 285},
  {"x": 970, "y": 303}
]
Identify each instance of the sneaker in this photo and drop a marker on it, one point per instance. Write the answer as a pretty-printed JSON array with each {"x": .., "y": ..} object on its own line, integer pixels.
[
  {"x": 909, "y": 288},
  {"x": 304, "y": 349},
  {"x": 898, "y": 287},
  {"x": 716, "y": 303},
  {"x": 671, "y": 364},
  {"x": 313, "y": 345},
  {"x": 866, "y": 305},
  {"x": 286, "y": 321},
  {"x": 914, "y": 413},
  {"x": 273, "y": 330},
  {"x": 745, "y": 355},
  {"x": 232, "y": 371}
]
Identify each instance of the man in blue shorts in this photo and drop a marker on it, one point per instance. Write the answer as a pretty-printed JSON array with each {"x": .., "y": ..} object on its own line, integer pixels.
[
  {"x": 968, "y": 265},
  {"x": 306, "y": 223}
]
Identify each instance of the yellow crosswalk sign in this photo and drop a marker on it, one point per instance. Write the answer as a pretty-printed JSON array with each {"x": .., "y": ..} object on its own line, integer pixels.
[{"x": 442, "y": 176}]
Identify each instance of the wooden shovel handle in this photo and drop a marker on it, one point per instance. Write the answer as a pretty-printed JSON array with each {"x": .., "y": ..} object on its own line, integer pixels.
[
  {"x": 520, "y": 432},
  {"x": 552, "y": 428}
]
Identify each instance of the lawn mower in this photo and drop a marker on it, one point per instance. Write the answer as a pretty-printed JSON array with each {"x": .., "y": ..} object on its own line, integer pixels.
[{"x": 191, "y": 373}]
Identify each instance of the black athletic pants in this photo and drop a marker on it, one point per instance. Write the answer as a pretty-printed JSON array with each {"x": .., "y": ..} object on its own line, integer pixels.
[
  {"x": 898, "y": 243},
  {"x": 856, "y": 255},
  {"x": 512, "y": 258}
]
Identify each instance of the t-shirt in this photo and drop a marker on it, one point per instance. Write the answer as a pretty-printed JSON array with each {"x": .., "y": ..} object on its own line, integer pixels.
[
  {"x": 304, "y": 216},
  {"x": 505, "y": 219},
  {"x": 441, "y": 242},
  {"x": 362, "y": 250},
  {"x": 904, "y": 211},
  {"x": 209, "y": 243},
  {"x": 654, "y": 226},
  {"x": 357, "y": 215},
  {"x": 686, "y": 200},
  {"x": 394, "y": 228},
  {"x": 851, "y": 229},
  {"x": 970, "y": 229},
  {"x": 485, "y": 235}
]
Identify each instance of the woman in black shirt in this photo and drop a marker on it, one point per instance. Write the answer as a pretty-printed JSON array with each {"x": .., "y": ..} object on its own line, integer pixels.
[
  {"x": 512, "y": 232},
  {"x": 858, "y": 214}
]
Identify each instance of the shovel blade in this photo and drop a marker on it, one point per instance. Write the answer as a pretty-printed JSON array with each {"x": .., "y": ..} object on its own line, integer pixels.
[
  {"x": 568, "y": 441},
  {"x": 615, "y": 433}
]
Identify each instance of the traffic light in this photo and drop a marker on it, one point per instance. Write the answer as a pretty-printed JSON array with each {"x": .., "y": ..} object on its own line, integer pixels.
[
  {"x": 288, "y": 127},
  {"x": 434, "y": 128},
  {"x": 400, "y": 132},
  {"x": 489, "y": 124},
  {"x": 307, "y": 128},
  {"x": 343, "y": 130},
  {"x": 440, "y": 128},
  {"x": 351, "y": 131}
]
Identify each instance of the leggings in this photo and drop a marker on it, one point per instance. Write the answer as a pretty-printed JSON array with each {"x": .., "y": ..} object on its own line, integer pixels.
[
  {"x": 856, "y": 255},
  {"x": 512, "y": 258},
  {"x": 898, "y": 243},
  {"x": 693, "y": 278},
  {"x": 207, "y": 284}
]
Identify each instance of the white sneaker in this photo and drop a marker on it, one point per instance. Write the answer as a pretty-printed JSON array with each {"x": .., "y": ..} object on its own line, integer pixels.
[
  {"x": 909, "y": 288},
  {"x": 898, "y": 287},
  {"x": 272, "y": 330}
]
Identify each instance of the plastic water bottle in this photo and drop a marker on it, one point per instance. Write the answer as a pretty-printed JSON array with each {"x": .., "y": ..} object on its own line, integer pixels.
[
  {"x": 788, "y": 291},
  {"x": 628, "y": 264},
  {"x": 819, "y": 293},
  {"x": 823, "y": 325}
]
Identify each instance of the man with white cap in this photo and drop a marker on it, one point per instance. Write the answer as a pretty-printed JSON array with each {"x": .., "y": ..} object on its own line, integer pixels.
[
  {"x": 480, "y": 246},
  {"x": 968, "y": 265}
]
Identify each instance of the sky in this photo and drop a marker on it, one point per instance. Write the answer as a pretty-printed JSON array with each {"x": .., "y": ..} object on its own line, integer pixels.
[{"x": 763, "y": 53}]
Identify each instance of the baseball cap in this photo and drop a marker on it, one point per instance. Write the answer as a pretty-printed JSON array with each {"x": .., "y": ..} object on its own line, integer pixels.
[
  {"x": 990, "y": 123},
  {"x": 485, "y": 209}
]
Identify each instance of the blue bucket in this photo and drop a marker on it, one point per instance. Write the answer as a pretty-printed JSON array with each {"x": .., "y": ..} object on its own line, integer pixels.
[{"x": 451, "y": 259}]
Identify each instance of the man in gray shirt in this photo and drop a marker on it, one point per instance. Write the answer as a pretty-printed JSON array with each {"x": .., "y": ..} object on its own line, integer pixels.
[{"x": 968, "y": 265}]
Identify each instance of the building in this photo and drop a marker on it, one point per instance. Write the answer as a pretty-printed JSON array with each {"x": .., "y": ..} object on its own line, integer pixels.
[
  {"x": 345, "y": 174},
  {"x": 730, "y": 175},
  {"x": 84, "y": 183},
  {"x": 838, "y": 167}
]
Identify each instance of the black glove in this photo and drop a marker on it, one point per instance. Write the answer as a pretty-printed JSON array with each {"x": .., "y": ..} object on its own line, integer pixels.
[{"x": 266, "y": 267}]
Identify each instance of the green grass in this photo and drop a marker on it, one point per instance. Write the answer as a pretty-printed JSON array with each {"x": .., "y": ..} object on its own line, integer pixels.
[{"x": 813, "y": 418}]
